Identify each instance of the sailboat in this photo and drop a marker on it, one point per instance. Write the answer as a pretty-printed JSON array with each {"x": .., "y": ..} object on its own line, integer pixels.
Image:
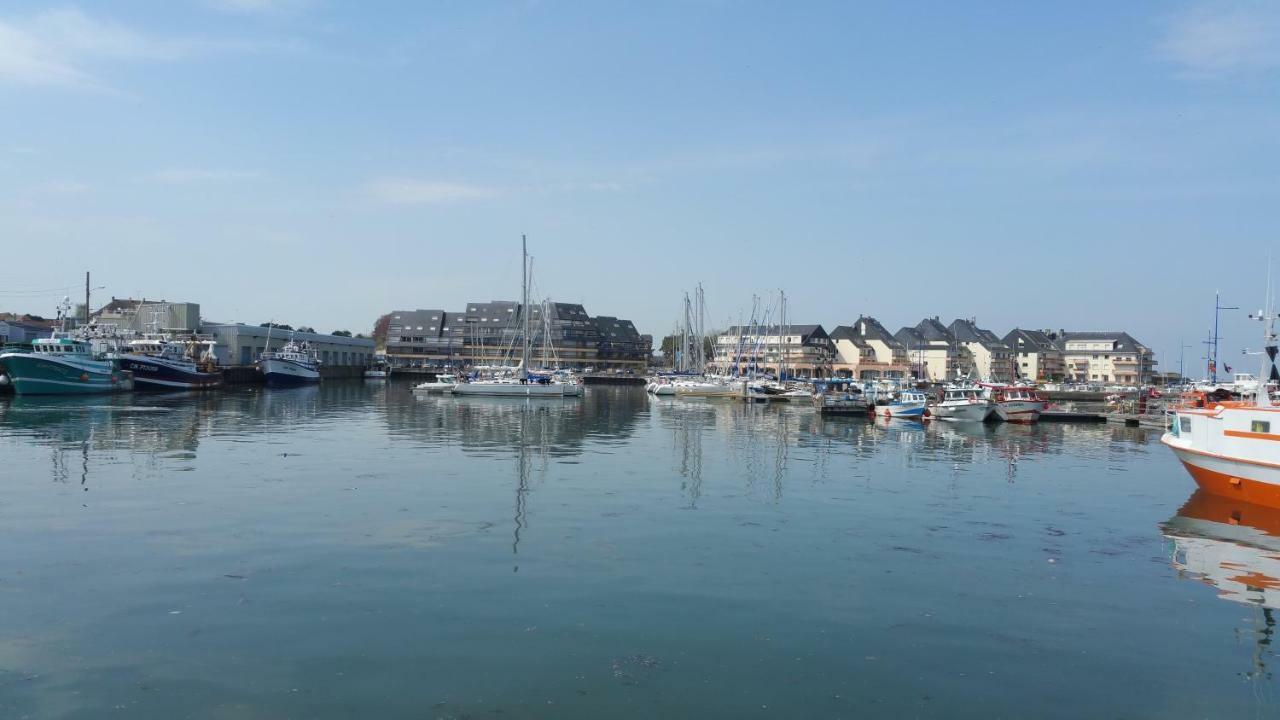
[{"x": 520, "y": 383}]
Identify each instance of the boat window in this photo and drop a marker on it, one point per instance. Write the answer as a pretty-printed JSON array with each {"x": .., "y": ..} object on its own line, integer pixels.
[
  {"x": 1184, "y": 424},
  {"x": 1261, "y": 426}
]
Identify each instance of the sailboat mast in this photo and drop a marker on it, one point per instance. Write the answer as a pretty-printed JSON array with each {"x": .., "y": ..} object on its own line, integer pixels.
[{"x": 524, "y": 307}]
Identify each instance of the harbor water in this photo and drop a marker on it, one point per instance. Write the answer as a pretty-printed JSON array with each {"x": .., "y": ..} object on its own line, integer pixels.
[{"x": 350, "y": 550}]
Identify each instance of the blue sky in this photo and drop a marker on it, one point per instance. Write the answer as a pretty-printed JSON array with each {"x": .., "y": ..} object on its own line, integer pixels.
[{"x": 1093, "y": 165}]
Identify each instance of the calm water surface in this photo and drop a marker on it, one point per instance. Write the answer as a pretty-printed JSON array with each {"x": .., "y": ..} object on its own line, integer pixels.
[{"x": 352, "y": 550}]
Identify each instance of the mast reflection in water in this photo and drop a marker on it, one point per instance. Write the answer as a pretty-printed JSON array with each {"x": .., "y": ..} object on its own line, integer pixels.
[{"x": 299, "y": 553}]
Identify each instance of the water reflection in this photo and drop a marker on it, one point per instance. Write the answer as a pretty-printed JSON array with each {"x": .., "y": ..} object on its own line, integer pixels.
[{"x": 1233, "y": 547}]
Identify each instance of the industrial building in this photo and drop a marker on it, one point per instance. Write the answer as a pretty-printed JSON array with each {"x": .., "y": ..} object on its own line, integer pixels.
[
  {"x": 143, "y": 316},
  {"x": 240, "y": 344},
  {"x": 488, "y": 333}
]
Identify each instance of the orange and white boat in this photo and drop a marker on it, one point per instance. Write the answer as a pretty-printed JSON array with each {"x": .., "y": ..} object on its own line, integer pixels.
[
  {"x": 1017, "y": 403},
  {"x": 1232, "y": 447}
]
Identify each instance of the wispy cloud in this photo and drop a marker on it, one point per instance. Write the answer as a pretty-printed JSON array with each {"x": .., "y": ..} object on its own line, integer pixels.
[
  {"x": 1217, "y": 38},
  {"x": 410, "y": 191},
  {"x": 258, "y": 7},
  {"x": 56, "y": 47},
  {"x": 194, "y": 175}
]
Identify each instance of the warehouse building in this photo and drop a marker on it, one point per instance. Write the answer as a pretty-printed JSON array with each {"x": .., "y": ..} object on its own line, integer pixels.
[{"x": 240, "y": 344}]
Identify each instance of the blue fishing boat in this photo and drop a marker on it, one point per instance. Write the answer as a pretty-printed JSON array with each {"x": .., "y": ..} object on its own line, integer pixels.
[{"x": 905, "y": 404}]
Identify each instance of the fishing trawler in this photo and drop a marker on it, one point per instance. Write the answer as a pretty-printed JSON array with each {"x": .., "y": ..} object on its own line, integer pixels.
[
  {"x": 1016, "y": 403},
  {"x": 962, "y": 402},
  {"x": 1232, "y": 447},
  {"x": 293, "y": 364},
  {"x": 906, "y": 404},
  {"x": 162, "y": 363},
  {"x": 64, "y": 364}
]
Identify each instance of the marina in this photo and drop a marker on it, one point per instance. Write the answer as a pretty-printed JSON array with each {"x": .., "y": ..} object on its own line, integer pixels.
[{"x": 294, "y": 551}]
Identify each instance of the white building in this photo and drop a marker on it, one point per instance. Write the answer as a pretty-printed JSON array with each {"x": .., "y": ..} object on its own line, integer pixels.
[
  {"x": 985, "y": 356},
  {"x": 868, "y": 351},
  {"x": 800, "y": 350},
  {"x": 1106, "y": 357},
  {"x": 931, "y": 349}
]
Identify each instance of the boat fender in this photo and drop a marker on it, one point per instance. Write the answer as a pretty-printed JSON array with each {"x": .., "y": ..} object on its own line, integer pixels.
[{"x": 84, "y": 377}]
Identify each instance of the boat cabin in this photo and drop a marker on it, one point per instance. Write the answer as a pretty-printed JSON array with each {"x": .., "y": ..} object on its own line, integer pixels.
[
  {"x": 911, "y": 397},
  {"x": 60, "y": 346},
  {"x": 963, "y": 395}
]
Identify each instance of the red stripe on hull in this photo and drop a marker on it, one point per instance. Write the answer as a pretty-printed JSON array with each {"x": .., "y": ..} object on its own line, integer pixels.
[{"x": 1238, "y": 488}]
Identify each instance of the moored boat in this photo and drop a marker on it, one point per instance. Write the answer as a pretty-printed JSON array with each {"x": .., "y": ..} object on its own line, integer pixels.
[
  {"x": 961, "y": 402},
  {"x": 443, "y": 383},
  {"x": 1232, "y": 447},
  {"x": 167, "y": 364},
  {"x": 293, "y": 364},
  {"x": 905, "y": 404},
  {"x": 63, "y": 366},
  {"x": 1017, "y": 403}
]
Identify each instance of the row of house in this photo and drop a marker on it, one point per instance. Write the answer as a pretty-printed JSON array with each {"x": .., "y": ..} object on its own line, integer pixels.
[
  {"x": 487, "y": 333},
  {"x": 933, "y": 351}
]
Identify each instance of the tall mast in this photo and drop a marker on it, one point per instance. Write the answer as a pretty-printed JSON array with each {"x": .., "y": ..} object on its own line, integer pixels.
[
  {"x": 86, "y": 297},
  {"x": 524, "y": 307}
]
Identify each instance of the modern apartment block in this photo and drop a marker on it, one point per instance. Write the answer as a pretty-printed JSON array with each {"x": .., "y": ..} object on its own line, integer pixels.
[
  {"x": 804, "y": 351},
  {"x": 488, "y": 333}
]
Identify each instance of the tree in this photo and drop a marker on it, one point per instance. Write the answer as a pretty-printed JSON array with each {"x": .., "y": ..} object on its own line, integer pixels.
[
  {"x": 306, "y": 328},
  {"x": 276, "y": 326},
  {"x": 342, "y": 333}
]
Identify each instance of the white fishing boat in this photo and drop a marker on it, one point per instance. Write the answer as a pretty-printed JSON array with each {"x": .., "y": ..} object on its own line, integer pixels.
[
  {"x": 961, "y": 402},
  {"x": 1232, "y": 447},
  {"x": 293, "y": 364},
  {"x": 906, "y": 404}
]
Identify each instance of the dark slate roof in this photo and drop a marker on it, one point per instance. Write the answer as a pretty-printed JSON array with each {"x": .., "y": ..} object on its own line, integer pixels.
[
  {"x": 933, "y": 330},
  {"x": 1124, "y": 342},
  {"x": 844, "y": 332},
  {"x": 965, "y": 331},
  {"x": 616, "y": 330},
  {"x": 410, "y": 320},
  {"x": 910, "y": 338},
  {"x": 1032, "y": 340}
]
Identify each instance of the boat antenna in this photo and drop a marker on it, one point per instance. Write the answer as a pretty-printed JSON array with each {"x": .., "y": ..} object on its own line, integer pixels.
[{"x": 1268, "y": 373}]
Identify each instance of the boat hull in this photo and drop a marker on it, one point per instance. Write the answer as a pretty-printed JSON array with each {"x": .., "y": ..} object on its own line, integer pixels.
[
  {"x": 527, "y": 390},
  {"x": 32, "y": 374},
  {"x": 1248, "y": 481},
  {"x": 1019, "y": 411},
  {"x": 287, "y": 373},
  {"x": 968, "y": 412},
  {"x": 154, "y": 374},
  {"x": 901, "y": 411}
]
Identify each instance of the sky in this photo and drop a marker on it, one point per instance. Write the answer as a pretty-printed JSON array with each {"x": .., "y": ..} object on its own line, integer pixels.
[{"x": 1085, "y": 166}]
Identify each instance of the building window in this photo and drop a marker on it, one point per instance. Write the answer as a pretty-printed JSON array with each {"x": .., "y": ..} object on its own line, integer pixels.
[{"x": 1261, "y": 426}]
